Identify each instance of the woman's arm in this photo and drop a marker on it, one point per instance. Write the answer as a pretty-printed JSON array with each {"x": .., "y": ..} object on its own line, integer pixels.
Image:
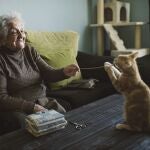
[
  {"x": 9, "y": 103},
  {"x": 48, "y": 73},
  {"x": 53, "y": 75}
]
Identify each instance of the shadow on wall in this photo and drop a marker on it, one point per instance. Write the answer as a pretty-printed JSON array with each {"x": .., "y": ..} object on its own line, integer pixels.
[{"x": 86, "y": 40}]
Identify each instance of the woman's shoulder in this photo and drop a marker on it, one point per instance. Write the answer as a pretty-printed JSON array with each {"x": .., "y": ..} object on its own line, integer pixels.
[
  {"x": 28, "y": 47},
  {"x": 30, "y": 51}
]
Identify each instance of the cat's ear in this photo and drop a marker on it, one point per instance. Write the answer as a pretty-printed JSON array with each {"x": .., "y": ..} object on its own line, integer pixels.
[{"x": 134, "y": 55}]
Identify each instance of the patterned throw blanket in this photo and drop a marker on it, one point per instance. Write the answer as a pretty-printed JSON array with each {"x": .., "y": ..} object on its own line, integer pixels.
[{"x": 42, "y": 123}]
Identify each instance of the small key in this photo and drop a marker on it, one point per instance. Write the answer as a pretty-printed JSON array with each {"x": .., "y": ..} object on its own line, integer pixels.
[{"x": 77, "y": 125}]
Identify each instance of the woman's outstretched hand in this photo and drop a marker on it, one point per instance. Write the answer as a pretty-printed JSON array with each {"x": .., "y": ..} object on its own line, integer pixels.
[
  {"x": 38, "y": 108},
  {"x": 71, "y": 70}
]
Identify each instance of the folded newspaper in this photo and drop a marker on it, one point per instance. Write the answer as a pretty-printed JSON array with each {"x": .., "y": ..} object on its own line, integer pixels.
[{"x": 45, "y": 122}]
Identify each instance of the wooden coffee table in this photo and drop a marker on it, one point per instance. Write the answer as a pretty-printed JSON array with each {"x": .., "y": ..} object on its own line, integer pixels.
[{"x": 100, "y": 133}]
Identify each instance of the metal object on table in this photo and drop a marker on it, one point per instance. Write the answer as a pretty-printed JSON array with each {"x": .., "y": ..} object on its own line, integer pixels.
[{"x": 78, "y": 126}]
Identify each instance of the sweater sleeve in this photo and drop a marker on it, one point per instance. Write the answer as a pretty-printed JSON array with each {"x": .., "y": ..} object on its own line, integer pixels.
[
  {"x": 48, "y": 73},
  {"x": 10, "y": 103}
]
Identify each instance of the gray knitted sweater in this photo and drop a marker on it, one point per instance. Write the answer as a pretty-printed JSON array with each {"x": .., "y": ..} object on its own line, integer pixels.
[{"x": 21, "y": 79}]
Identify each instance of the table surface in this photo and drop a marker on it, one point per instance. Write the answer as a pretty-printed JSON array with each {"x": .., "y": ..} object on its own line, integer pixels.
[{"x": 100, "y": 134}]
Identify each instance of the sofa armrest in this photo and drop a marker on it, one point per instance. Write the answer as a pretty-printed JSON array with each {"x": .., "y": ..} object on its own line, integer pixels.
[
  {"x": 87, "y": 60},
  {"x": 144, "y": 68}
]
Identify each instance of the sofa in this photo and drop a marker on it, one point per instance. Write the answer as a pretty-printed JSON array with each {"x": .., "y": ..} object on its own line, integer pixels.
[
  {"x": 60, "y": 49},
  {"x": 75, "y": 96}
]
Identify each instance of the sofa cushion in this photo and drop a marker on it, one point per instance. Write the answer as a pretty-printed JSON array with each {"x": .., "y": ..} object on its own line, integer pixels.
[
  {"x": 59, "y": 49},
  {"x": 78, "y": 97}
]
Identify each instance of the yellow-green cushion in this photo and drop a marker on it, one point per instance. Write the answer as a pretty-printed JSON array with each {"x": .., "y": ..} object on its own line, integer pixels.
[{"x": 59, "y": 49}]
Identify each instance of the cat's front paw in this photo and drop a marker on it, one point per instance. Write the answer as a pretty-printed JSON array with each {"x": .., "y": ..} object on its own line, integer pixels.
[{"x": 107, "y": 66}]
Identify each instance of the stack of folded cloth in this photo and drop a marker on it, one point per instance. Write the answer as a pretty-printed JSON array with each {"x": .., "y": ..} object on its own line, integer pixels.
[{"x": 45, "y": 122}]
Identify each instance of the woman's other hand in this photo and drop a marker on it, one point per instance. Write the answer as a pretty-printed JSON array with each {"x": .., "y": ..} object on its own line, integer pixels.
[
  {"x": 71, "y": 70},
  {"x": 38, "y": 108}
]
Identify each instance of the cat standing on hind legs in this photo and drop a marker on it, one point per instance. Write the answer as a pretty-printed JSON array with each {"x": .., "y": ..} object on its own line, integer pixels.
[{"x": 126, "y": 79}]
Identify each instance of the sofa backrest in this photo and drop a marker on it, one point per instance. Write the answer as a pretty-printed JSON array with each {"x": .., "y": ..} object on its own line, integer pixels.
[{"x": 59, "y": 49}]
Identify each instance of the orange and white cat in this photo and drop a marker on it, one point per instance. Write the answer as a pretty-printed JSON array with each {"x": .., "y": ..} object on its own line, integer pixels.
[{"x": 125, "y": 77}]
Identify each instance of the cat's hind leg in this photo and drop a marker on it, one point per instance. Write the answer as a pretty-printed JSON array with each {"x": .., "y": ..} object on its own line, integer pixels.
[{"x": 122, "y": 126}]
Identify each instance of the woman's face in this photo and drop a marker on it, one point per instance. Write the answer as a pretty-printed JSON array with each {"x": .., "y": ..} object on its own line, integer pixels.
[{"x": 15, "y": 40}]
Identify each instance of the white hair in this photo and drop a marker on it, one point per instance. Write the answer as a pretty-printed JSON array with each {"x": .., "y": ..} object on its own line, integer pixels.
[{"x": 6, "y": 19}]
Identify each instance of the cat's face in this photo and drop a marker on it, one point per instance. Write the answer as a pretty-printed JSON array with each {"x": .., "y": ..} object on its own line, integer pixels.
[{"x": 124, "y": 62}]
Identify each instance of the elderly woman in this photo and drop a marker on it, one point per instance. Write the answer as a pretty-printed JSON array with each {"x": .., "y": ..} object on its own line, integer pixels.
[{"x": 23, "y": 72}]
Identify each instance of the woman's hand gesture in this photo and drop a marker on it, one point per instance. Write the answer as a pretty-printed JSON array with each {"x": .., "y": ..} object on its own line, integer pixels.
[
  {"x": 71, "y": 70},
  {"x": 38, "y": 108}
]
